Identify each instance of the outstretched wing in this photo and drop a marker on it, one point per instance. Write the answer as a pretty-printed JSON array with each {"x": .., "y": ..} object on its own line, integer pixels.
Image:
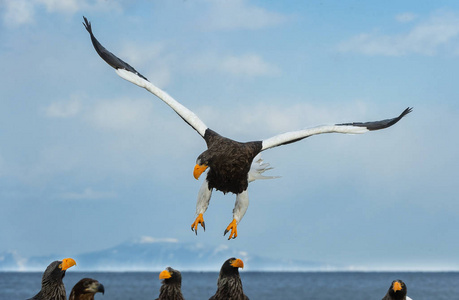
[
  {"x": 357, "y": 127},
  {"x": 127, "y": 72}
]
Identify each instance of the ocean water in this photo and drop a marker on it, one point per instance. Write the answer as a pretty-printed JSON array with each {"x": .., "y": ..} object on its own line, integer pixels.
[{"x": 257, "y": 285}]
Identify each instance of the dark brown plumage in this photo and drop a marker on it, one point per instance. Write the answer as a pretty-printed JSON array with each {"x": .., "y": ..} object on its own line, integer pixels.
[
  {"x": 52, "y": 287},
  {"x": 85, "y": 289},
  {"x": 171, "y": 285},
  {"x": 397, "y": 291},
  {"x": 229, "y": 162},
  {"x": 229, "y": 284}
]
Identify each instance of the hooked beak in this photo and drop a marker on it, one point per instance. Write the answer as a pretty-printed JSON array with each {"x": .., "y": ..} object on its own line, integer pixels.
[
  {"x": 198, "y": 170},
  {"x": 165, "y": 275},
  {"x": 101, "y": 289},
  {"x": 95, "y": 287},
  {"x": 237, "y": 263},
  {"x": 67, "y": 263},
  {"x": 397, "y": 286}
]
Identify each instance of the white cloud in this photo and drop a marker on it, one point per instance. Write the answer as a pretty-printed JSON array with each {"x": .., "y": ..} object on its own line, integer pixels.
[
  {"x": 427, "y": 37},
  {"x": 87, "y": 194},
  {"x": 65, "y": 6},
  {"x": 251, "y": 65},
  {"x": 158, "y": 63},
  {"x": 63, "y": 109},
  {"x": 151, "y": 60},
  {"x": 220, "y": 248},
  {"x": 248, "y": 65},
  {"x": 239, "y": 14},
  {"x": 122, "y": 114},
  {"x": 152, "y": 240},
  {"x": 18, "y": 12},
  {"x": 219, "y": 15},
  {"x": 405, "y": 17},
  {"x": 21, "y": 12}
]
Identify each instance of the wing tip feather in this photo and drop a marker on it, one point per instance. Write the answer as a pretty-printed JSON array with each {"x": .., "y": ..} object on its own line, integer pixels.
[{"x": 87, "y": 25}]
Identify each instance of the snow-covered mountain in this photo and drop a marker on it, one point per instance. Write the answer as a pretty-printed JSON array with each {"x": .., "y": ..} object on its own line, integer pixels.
[
  {"x": 11, "y": 260},
  {"x": 150, "y": 254}
]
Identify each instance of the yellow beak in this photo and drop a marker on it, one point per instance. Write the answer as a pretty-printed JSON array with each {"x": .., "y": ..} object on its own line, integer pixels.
[
  {"x": 237, "y": 263},
  {"x": 397, "y": 286},
  {"x": 165, "y": 275},
  {"x": 198, "y": 170},
  {"x": 67, "y": 263}
]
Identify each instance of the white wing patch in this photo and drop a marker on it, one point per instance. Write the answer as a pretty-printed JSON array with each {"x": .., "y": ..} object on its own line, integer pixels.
[
  {"x": 181, "y": 110},
  {"x": 301, "y": 134}
]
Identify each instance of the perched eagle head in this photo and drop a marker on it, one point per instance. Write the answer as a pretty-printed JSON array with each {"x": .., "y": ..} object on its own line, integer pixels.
[
  {"x": 398, "y": 289},
  {"x": 86, "y": 288},
  {"x": 56, "y": 270},
  {"x": 171, "y": 276},
  {"x": 231, "y": 266}
]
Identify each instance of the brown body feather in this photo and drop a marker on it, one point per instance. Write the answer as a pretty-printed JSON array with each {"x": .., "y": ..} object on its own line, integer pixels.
[
  {"x": 52, "y": 287},
  {"x": 229, "y": 162},
  {"x": 229, "y": 284},
  {"x": 171, "y": 287},
  {"x": 170, "y": 292}
]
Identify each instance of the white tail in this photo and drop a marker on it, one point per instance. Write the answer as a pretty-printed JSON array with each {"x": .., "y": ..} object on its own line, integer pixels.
[{"x": 257, "y": 169}]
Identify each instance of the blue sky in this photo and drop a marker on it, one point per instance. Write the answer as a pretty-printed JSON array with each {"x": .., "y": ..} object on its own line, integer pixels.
[{"x": 88, "y": 160}]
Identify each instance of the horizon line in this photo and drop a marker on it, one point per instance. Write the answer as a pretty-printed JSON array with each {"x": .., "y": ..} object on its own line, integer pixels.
[{"x": 251, "y": 271}]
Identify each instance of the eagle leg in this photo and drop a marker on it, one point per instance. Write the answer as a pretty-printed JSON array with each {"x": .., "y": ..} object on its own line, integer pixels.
[
  {"x": 199, "y": 220},
  {"x": 201, "y": 206},
  {"x": 240, "y": 207},
  {"x": 233, "y": 227}
]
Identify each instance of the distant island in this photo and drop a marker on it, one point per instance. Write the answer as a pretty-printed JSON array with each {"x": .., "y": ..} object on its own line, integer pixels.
[{"x": 151, "y": 254}]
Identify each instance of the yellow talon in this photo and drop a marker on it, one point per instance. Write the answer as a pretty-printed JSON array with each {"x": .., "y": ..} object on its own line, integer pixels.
[
  {"x": 233, "y": 227},
  {"x": 199, "y": 220}
]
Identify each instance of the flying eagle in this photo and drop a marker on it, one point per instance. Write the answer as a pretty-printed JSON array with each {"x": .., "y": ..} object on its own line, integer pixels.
[
  {"x": 52, "y": 287},
  {"x": 229, "y": 284},
  {"x": 171, "y": 285},
  {"x": 85, "y": 289},
  {"x": 231, "y": 165},
  {"x": 397, "y": 291}
]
